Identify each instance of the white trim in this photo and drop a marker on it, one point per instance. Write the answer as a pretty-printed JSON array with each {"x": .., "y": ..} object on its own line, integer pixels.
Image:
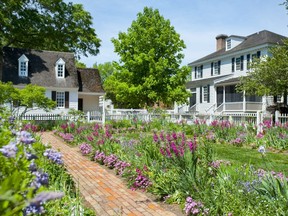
[
  {"x": 23, "y": 66},
  {"x": 232, "y": 54},
  {"x": 60, "y": 68},
  {"x": 91, "y": 93}
]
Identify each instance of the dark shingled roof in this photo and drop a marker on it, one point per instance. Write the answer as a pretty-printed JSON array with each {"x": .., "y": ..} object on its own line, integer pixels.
[
  {"x": 256, "y": 39},
  {"x": 89, "y": 80},
  {"x": 41, "y": 68}
]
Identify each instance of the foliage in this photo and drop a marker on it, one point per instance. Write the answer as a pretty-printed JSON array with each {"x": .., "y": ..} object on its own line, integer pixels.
[
  {"x": 80, "y": 64},
  {"x": 50, "y": 25},
  {"x": 26, "y": 99},
  {"x": 149, "y": 71},
  {"x": 269, "y": 76},
  {"x": 33, "y": 97},
  {"x": 196, "y": 166},
  {"x": 41, "y": 171},
  {"x": 106, "y": 69}
]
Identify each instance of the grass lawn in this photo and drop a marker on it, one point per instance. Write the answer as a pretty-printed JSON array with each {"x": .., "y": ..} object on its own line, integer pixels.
[{"x": 239, "y": 155}]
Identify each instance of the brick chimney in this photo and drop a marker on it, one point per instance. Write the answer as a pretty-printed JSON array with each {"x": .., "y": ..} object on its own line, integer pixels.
[{"x": 220, "y": 41}]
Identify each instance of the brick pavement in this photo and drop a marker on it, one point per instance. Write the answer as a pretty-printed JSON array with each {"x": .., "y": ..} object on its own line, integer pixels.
[{"x": 106, "y": 193}]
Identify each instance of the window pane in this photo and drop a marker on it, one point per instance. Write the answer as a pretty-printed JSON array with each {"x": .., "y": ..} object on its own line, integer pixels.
[
  {"x": 60, "y": 70},
  {"x": 238, "y": 63},
  {"x": 60, "y": 99},
  {"x": 23, "y": 69},
  {"x": 205, "y": 93}
]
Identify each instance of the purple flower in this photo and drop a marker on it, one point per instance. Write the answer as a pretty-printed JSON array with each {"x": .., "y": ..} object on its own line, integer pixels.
[
  {"x": 141, "y": 181},
  {"x": 155, "y": 137},
  {"x": 41, "y": 179},
  {"x": 35, "y": 206},
  {"x": 30, "y": 156},
  {"x": 53, "y": 155},
  {"x": 25, "y": 137},
  {"x": 110, "y": 160},
  {"x": 85, "y": 148},
  {"x": 32, "y": 167},
  {"x": 46, "y": 196},
  {"x": 67, "y": 136},
  {"x": 99, "y": 156},
  {"x": 120, "y": 166},
  {"x": 194, "y": 208},
  {"x": 9, "y": 150},
  {"x": 33, "y": 209},
  {"x": 260, "y": 135}
]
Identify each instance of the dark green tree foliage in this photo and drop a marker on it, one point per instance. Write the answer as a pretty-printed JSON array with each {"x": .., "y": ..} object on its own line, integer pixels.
[
  {"x": 268, "y": 76},
  {"x": 149, "y": 70},
  {"x": 47, "y": 24}
]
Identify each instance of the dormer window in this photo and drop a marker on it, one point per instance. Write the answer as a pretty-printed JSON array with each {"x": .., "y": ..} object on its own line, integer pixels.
[
  {"x": 23, "y": 66},
  {"x": 60, "y": 68},
  {"x": 228, "y": 44}
]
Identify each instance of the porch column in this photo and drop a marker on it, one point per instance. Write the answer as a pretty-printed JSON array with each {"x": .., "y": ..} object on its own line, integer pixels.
[
  {"x": 224, "y": 99},
  {"x": 244, "y": 102}
]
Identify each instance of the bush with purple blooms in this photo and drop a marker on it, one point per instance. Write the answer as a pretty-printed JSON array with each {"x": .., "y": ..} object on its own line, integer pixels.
[
  {"x": 85, "y": 148},
  {"x": 140, "y": 181},
  {"x": 54, "y": 156},
  {"x": 193, "y": 207}
]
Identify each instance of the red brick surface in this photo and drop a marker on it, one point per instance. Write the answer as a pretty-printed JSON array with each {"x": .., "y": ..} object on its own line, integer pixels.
[{"x": 104, "y": 191}]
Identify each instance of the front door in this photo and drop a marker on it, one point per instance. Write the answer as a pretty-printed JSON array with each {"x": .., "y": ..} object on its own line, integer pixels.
[
  {"x": 80, "y": 104},
  {"x": 192, "y": 100},
  {"x": 219, "y": 91}
]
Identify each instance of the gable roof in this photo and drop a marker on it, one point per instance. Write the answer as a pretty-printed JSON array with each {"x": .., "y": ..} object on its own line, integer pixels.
[
  {"x": 253, "y": 40},
  {"x": 89, "y": 80},
  {"x": 41, "y": 68}
]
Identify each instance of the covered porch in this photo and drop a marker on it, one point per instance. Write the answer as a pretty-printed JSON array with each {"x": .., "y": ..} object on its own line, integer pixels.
[{"x": 228, "y": 99}]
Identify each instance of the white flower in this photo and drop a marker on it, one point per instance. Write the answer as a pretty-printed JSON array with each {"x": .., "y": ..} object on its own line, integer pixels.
[{"x": 262, "y": 150}]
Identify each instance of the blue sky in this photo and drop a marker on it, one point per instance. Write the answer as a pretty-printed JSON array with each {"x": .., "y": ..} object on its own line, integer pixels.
[{"x": 197, "y": 21}]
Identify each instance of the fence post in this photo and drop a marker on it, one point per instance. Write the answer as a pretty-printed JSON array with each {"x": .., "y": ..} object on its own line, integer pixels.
[
  {"x": 88, "y": 116},
  {"x": 277, "y": 114},
  {"x": 259, "y": 119},
  {"x": 103, "y": 112},
  {"x": 211, "y": 118}
]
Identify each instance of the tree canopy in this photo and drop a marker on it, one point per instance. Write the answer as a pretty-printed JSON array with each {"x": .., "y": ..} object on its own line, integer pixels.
[
  {"x": 47, "y": 24},
  {"x": 268, "y": 76},
  {"x": 149, "y": 70},
  {"x": 31, "y": 97},
  {"x": 106, "y": 69}
]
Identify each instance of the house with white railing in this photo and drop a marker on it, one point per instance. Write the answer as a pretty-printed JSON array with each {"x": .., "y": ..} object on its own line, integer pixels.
[{"x": 215, "y": 76}]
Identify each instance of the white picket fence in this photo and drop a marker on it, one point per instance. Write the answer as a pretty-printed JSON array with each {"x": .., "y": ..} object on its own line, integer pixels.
[{"x": 98, "y": 116}]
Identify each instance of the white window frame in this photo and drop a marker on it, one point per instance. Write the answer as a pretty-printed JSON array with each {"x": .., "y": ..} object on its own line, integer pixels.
[
  {"x": 216, "y": 68},
  {"x": 238, "y": 63},
  {"x": 60, "y": 99},
  {"x": 23, "y": 66},
  {"x": 199, "y": 72},
  {"x": 205, "y": 94},
  {"x": 60, "y": 68}
]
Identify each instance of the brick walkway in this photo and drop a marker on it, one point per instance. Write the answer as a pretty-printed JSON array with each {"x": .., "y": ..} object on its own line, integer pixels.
[{"x": 104, "y": 191}]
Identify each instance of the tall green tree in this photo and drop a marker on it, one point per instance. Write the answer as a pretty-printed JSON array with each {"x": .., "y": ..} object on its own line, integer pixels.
[
  {"x": 268, "y": 76},
  {"x": 47, "y": 24},
  {"x": 149, "y": 70},
  {"x": 106, "y": 69}
]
